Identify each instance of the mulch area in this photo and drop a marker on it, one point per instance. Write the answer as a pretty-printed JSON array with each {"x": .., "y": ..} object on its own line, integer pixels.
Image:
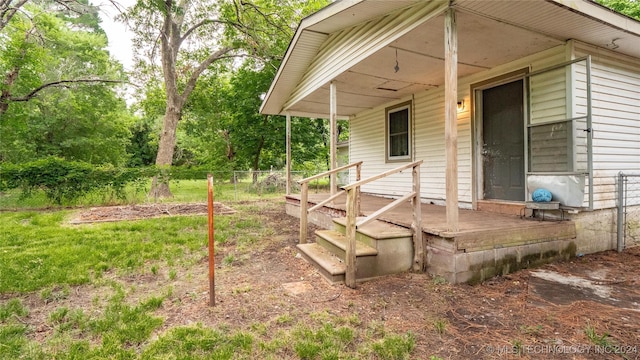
[{"x": 136, "y": 212}]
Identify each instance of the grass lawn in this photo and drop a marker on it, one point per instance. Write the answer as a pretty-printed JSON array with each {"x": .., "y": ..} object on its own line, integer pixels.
[
  {"x": 139, "y": 290},
  {"x": 111, "y": 290}
]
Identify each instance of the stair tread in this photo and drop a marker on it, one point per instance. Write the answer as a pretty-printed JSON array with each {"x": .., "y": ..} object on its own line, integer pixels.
[
  {"x": 324, "y": 258},
  {"x": 339, "y": 240},
  {"x": 377, "y": 229}
]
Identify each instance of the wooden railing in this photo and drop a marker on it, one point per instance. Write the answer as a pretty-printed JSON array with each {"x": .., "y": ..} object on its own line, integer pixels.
[
  {"x": 353, "y": 200},
  {"x": 304, "y": 196}
]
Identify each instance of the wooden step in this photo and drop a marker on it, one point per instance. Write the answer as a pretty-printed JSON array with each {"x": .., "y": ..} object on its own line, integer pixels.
[
  {"x": 336, "y": 243},
  {"x": 502, "y": 207},
  {"x": 329, "y": 265},
  {"x": 376, "y": 230}
]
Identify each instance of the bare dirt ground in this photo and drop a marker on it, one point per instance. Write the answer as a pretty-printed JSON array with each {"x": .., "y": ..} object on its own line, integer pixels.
[
  {"x": 135, "y": 212},
  {"x": 561, "y": 310}
]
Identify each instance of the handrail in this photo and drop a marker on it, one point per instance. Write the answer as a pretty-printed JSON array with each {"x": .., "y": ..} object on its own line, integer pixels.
[
  {"x": 325, "y": 201},
  {"x": 353, "y": 210},
  {"x": 329, "y": 172},
  {"x": 383, "y": 210},
  {"x": 304, "y": 196},
  {"x": 353, "y": 199},
  {"x": 382, "y": 175}
]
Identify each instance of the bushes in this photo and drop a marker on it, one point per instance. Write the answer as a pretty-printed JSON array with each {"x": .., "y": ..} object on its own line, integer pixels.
[{"x": 69, "y": 180}]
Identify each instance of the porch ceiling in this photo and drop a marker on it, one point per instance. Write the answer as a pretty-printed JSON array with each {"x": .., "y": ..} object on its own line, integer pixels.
[{"x": 490, "y": 33}]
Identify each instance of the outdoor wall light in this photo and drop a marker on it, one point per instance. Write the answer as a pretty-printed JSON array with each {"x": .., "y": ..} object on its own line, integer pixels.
[{"x": 461, "y": 105}]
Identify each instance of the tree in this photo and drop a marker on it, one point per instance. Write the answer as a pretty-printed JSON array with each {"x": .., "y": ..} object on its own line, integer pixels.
[
  {"x": 38, "y": 38},
  {"x": 223, "y": 127},
  {"x": 53, "y": 98},
  {"x": 192, "y": 35}
]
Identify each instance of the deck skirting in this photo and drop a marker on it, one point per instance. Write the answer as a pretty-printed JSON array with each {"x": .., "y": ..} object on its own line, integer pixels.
[{"x": 487, "y": 245}]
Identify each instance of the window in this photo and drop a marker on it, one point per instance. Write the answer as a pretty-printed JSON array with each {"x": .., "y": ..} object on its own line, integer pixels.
[{"x": 398, "y": 135}]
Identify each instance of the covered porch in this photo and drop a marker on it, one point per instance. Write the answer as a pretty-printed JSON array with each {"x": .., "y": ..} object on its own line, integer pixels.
[
  {"x": 432, "y": 82},
  {"x": 487, "y": 243}
]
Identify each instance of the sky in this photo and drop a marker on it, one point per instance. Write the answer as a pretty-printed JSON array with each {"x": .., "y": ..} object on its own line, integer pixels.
[{"x": 119, "y": 38}]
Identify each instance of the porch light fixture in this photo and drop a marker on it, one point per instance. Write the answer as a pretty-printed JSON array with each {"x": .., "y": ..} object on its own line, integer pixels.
[
  {"x": 461, "y": 105},
  {"x": 397, "y": 67}
]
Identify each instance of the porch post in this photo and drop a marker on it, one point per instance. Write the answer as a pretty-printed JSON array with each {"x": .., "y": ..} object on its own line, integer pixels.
[
  {"x": 288, "y": 141},
  {"x": 451, "y": 117},
  {"x": 333, "y": 109}
]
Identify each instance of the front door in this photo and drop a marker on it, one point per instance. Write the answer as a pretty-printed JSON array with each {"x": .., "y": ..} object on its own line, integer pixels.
[{"x": 503, "y": 141}]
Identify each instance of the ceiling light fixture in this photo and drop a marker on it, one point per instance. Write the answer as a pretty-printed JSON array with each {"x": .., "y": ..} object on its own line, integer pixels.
[{"x": 397, "y": 67}]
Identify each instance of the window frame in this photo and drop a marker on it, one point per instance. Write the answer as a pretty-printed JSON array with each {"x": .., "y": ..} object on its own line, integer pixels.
[{"x": 407, "y": 105}]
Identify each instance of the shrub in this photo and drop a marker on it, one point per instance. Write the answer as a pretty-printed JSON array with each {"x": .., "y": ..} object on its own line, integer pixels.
[{"x": 68, "y": 180}]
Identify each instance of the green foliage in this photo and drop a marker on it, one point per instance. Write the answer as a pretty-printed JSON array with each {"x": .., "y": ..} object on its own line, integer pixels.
[
  {"x": 326, "y": 342},
  {"x": 595, "y": 338},
  {"x": 395, "y": 346},
  {"x": 200, "y": 343},
  {"x": 68, "y": 180},
  {"x": 13, "y": 340},
  {"x": 143, "y": 145},
  {"x": 53, "y": 102},
  {"x": 627, "y": 7},
  {"x": 38, "y": 251},
  {"x": 12, "y": 307},
  {"x": 125, "y": 325},
  {"x": 219, "y": 123},
  {"x": 223, "y": 129},
  {"x": 440, "y": 326}
]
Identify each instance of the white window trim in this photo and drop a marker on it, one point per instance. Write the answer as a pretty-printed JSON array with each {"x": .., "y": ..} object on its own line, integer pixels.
[{"x": 393, "y": 109}]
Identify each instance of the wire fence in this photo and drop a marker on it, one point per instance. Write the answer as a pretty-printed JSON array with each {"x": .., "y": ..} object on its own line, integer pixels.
[
  {"x": 628, "y": 210},
  {"x": 247, "y": 185}
]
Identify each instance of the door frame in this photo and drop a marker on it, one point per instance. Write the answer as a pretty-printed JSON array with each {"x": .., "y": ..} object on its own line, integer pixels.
[{"x": 477, "y": 177}]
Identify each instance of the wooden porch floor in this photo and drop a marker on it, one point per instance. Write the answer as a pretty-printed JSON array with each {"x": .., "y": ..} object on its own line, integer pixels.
[{"x": 479, "y": 230}]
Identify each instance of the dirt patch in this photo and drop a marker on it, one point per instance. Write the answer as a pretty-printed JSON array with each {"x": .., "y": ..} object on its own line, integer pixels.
[
  {"x": 505, "y": 317},
  {"x": 136, "y": 212}
]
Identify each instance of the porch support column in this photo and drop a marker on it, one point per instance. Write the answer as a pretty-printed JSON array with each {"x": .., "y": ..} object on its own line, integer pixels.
[
  {"x": 288, "y": 142},
  {"x": 333, "y": 110},
  {"x": 451, "y": 117}
]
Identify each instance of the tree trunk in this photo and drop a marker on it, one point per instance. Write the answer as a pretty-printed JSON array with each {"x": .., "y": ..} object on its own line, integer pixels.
[
  {"x": 256, "y": 160},
  {"x": 164, "y": 159}
]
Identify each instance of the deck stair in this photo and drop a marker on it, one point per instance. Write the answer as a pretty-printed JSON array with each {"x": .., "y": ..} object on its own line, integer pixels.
[{"x": 381, "y": 249}]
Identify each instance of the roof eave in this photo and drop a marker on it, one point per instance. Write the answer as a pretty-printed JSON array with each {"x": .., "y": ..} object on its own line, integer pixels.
[
  {"x": 602, "y": 13},
  {"x": 310, "y": 20}
]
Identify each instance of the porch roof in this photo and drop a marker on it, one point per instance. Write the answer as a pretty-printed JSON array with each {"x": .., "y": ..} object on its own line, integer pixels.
[{"x": 357, "y": 43}]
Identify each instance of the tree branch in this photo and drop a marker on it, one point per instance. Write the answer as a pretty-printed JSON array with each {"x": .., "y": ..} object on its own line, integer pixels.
[
  {"x": 7, "y": 11},
  {"x": 61, "y": 83},
  {"x": 191, "y": 83},
  {"x": 200, "y": 24}
]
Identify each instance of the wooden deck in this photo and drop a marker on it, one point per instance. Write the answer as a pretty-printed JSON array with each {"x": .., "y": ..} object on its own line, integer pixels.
[
  {"x": 478, "y": 229},
  {"x": 490, "y": 236}
]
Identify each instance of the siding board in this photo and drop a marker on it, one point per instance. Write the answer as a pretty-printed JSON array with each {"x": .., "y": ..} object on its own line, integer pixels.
[{"x": 615, "y": 117}]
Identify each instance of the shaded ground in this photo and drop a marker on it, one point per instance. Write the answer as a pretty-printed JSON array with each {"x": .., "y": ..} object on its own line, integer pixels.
[{"x": 529, "y": 314}]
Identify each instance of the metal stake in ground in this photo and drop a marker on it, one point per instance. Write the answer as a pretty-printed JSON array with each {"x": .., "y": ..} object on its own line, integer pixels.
[{"x": 212, "y": 281}]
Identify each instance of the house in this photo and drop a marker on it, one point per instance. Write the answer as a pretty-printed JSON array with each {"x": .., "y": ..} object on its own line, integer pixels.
[{"x": 496, "y": 98}]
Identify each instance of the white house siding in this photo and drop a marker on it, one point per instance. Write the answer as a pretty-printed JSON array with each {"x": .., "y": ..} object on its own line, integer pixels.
[
  {"x": 615, "y": 91},
  {"x": 367, "y": 144},
  {"x": 368, "y": 134}
]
